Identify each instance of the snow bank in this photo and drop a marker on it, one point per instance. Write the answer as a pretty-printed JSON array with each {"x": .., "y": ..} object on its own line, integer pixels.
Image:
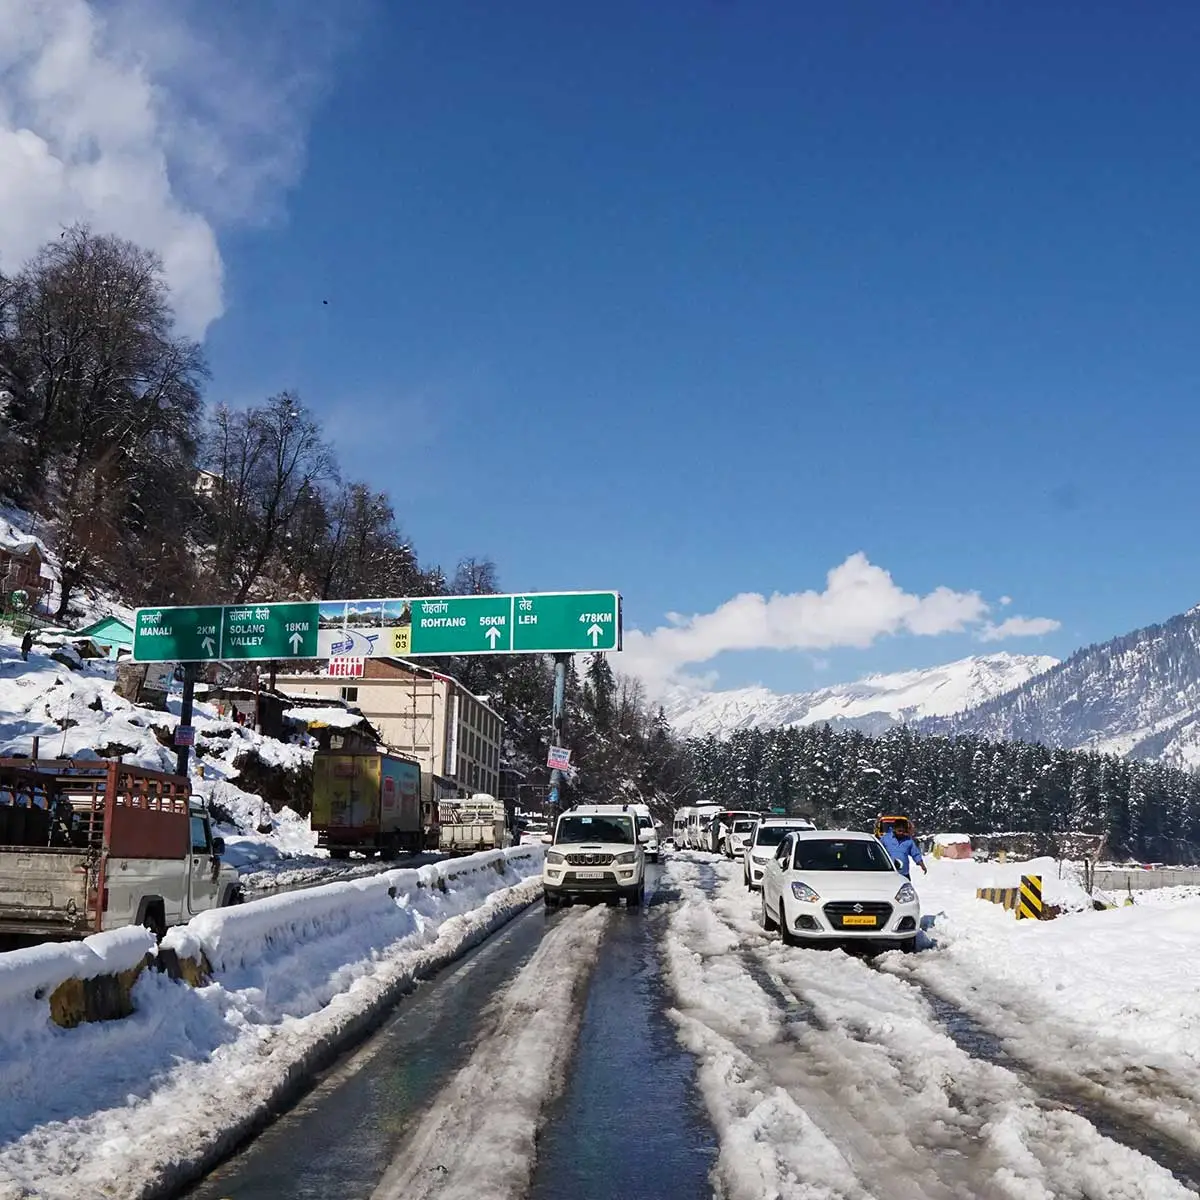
[
  {"x": 951, "y": 839},
  {"x": 235, "y": 937},
  {"x": 1128, "y": 974},
  {"x": 1062, "y": 883},
  {"x": 155, "y": 1099},
  {"x": 28, "y": 977}
]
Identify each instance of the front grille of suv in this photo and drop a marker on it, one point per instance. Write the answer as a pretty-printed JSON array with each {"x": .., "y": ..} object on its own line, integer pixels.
[{"x": 590, "y": 860}]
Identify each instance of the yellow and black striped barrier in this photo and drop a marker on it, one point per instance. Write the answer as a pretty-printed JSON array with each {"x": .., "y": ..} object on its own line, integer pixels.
[
  {"x": 1029, "y": 906},
  {"x": 1026, "y": 899}
]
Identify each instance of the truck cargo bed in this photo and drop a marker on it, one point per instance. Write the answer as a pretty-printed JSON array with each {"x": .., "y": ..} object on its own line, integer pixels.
[{"x": 44, "y": 890}]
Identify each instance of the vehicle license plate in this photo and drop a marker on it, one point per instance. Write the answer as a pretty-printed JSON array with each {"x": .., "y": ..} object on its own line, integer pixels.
[
  {"x": 856, "y": 920},
  {"x": 596, "y": 875}
]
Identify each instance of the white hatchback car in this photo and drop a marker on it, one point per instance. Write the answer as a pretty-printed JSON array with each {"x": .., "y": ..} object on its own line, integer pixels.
[
  {"x": 839, "y": 886},
  {"x": 739, "y": 837}
]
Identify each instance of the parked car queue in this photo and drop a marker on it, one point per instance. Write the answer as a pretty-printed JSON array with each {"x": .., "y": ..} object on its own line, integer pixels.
[{"x": 815, "y": 886}]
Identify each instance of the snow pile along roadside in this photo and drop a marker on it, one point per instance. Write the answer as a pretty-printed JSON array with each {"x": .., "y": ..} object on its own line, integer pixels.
[
  {"x": 28, "y": 977},
  {"x": 1107, "y": 998},
  {"x": 153, "y": 1100}
]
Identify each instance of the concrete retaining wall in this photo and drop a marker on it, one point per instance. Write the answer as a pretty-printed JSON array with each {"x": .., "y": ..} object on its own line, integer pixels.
[{"x": 1120, "y": 879}]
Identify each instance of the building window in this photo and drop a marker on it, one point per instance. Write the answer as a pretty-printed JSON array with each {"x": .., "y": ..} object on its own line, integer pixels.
[{"x": 349, "y": 694}]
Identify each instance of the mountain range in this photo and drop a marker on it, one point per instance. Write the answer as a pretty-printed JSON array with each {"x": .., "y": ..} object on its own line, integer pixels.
[
  {"x": 872, "y": 704},
  {"x": 1136, "y": 695}
]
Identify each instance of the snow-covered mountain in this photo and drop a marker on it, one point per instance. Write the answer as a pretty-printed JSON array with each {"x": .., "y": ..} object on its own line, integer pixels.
[
  {"x": 871, "y": 704},
  {"x": 1137, "y": 695}
]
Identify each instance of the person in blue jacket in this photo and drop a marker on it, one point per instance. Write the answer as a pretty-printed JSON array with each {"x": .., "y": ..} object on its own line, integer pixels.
[{"x": 898, "y": 842}]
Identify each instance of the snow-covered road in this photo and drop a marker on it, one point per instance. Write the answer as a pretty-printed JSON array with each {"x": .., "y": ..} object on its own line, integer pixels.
[
  {"x": 682, "y": 1051},
  {"x": 828, "y": 1077}
]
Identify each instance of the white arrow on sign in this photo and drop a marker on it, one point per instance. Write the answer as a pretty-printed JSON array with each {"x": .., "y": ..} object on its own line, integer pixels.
[
  {"x": 597, "y": 632},
  {"x": 297, "y": 641},
  {"x": 493, "y": 635},
  {"x": 209, "y": 647}
]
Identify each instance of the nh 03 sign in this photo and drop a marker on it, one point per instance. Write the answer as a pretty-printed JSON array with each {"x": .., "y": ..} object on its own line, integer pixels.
[{"x": 528, "y": 623}]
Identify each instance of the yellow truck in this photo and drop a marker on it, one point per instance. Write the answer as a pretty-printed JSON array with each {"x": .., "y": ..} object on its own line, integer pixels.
[{"x": 371, "y": 803}]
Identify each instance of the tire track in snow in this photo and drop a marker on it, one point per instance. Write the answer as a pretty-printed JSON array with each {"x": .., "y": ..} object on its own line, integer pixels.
[
  {"x": 886, "y": 1087},
  {"x": 480, "y": 1136},
  {"x": 1123, "y": 1100}
]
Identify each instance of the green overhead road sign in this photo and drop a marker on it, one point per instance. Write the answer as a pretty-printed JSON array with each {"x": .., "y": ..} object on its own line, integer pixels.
[
  {"x": 530, "y": 623},
  {"x": 270, "y": 631},
  {"x": 177, "y": 634},
  {"x": 564, "y": 621},
  {"x": 225, "y": 632}
]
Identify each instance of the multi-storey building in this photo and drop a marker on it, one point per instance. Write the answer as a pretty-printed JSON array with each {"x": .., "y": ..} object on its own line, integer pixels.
[{"x": 425, "y": 715}]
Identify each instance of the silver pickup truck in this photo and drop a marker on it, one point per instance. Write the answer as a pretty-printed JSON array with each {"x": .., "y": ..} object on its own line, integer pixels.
[{"x": 87, "y": 846}]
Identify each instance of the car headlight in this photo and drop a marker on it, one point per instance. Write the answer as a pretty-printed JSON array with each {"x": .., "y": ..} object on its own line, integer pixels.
[
  {"x": 907, "y": 894},
  {"x": 803, "y": 892},
  {"x": 553, "y": 856},
  {"x": 628, "y": 857}
]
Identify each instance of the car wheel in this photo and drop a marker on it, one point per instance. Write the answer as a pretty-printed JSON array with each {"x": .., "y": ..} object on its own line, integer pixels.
[
  {"x": 551, "y": 902},
  {"x": 768, "y": 922},
  {"x": 909, "y": 945},
  {"x": 785, "y": 931}
]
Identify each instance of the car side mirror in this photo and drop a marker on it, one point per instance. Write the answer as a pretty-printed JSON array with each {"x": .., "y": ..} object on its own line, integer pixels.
[
  {"x": 218, "y": 847},
  {"x": 547, "y": 840}
]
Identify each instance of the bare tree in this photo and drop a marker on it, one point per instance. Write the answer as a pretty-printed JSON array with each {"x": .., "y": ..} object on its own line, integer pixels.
[
  {"x": 99, "y": 390},
  {"x": 267, "y": 463}
]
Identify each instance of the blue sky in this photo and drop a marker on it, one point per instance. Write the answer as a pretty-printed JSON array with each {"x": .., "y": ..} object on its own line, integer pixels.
[{"x": 695, "y": 300}]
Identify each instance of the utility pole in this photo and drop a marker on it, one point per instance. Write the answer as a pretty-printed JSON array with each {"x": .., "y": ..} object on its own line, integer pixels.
[
  {"x": 185, "y": 715},
  {"x": 558, "y": 729}
]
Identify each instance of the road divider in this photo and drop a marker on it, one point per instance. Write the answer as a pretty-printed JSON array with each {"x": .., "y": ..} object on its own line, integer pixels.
[
  {"x": 1025, "y": 900},
  {"x": 93, "y": 980}
]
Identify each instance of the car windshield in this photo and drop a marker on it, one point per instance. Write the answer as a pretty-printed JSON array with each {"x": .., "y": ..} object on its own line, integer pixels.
[
  {"x": 829, "y": 854},
  {"x": 743, "y": 826},
  {"x": 645, "y": 823},
  {"x": 595, "y": 829},
  {"x": 772, "y": 835}
]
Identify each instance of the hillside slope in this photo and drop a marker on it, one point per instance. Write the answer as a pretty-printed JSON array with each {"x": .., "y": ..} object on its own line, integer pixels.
[{"x": 1137, "y": 695}]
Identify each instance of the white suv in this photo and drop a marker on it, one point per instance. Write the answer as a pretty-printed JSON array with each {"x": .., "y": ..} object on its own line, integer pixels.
[
  {"x": 596, "y": 851},
  {"x": 768, "y": 833}
]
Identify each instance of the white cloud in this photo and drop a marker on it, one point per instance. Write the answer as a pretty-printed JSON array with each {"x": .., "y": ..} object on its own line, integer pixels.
[
  {"x": 144, "y": 120},
  {"x": 860, "y": 604},
  {"x": 1019, "y": 627}
]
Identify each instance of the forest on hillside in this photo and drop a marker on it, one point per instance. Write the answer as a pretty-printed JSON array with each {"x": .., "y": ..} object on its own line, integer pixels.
[
  {"x": 964, "y": 783},
  {"x": 150, "y": 492}
]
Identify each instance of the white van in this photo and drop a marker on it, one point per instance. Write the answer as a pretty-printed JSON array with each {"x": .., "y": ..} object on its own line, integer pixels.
[
  {"x": 699, "y": 822},
  {"x": 596, "y": 851},
  {"x": 679, "y": 826}
]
